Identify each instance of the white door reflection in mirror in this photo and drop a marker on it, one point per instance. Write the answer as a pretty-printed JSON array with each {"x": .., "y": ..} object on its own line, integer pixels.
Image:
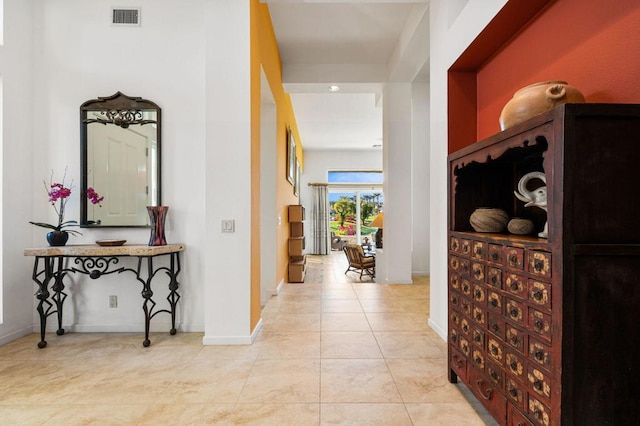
[{"x": 120, "y": 164}]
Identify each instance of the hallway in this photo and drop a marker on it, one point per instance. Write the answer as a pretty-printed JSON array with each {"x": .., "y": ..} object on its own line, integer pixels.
[{"x": 334, "y": 350}]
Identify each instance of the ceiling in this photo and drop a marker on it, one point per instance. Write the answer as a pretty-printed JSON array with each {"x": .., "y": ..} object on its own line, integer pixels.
[{"x": 358, "y": 46}]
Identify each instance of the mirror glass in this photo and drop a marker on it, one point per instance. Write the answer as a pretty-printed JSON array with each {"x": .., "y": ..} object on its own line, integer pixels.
[{"x": 120, "y": 160}]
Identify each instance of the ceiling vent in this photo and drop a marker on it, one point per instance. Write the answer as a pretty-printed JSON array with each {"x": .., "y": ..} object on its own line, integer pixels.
[{"x": 125, "y": 17}]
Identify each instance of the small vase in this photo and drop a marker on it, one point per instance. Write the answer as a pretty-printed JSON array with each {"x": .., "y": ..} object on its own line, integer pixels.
[
  {"x": 157, "y": 215},
  {"x": 57, "y": 238},
  {"x": 537, "y": 98}
]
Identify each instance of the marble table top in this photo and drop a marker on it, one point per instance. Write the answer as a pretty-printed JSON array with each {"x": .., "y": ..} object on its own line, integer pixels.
[{"x": 96, "y": 250}]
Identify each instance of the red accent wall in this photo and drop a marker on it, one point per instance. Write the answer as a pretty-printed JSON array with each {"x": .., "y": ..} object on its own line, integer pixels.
[{"x": 594, "y": 45}]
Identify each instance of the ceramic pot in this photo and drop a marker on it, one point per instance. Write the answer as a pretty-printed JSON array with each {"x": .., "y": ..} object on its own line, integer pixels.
[
  {"x": 157, "y": 216},
  {"x": 57, "y": 238},
  {"x": 489, "y": 220},
  {"x": 520, "y": 226},
  {"x": 537, "y": 98}
]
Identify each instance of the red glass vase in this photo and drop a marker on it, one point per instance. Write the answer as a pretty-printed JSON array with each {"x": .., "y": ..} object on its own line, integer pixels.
[{"x": 157, "y": 216}]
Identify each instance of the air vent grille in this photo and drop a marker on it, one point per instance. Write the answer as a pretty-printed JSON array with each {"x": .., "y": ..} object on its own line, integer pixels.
[{"x": 125, "y": 16}]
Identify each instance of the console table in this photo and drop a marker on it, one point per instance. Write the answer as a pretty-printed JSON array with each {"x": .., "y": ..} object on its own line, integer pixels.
[{"x": 51, "y": 266}]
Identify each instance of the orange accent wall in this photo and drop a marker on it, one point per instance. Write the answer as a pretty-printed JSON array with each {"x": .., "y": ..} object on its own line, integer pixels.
[
  {"x": 265, "y": 54},
  {"x": 591, "y": 44}
]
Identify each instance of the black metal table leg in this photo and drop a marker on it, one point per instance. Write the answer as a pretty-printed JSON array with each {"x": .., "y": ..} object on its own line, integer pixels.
[
  {"x": 147, "y": 294},
  {"x": 59, "y": 295},
  {"x": 174, "y": 296},
  {"x": 42, "y": 294}
]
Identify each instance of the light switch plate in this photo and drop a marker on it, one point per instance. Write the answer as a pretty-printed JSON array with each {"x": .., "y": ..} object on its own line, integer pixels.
[{"x": 228, "y": 225}]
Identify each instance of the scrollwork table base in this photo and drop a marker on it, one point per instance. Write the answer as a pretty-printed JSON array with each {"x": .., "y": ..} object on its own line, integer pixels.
[{"x": 52, "y": 264}]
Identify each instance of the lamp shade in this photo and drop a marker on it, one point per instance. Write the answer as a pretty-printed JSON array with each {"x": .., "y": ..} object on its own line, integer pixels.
[{"x": 377, "y": 221}]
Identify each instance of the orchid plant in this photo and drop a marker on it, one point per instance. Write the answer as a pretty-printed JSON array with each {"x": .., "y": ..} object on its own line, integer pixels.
[{"x": 58, "y": 196}]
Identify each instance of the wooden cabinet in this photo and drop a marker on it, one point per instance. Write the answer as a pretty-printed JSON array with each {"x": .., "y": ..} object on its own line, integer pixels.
[
  {"x": 544, "y": 331},
  {"x": 296, "y": 244}
]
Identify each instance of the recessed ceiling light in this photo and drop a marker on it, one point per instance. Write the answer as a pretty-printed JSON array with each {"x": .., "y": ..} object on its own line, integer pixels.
[{"x": 334, "y": 88}]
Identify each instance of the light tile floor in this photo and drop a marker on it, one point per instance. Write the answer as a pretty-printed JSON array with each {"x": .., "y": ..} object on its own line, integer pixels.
[{"x": 332, "y": 351}]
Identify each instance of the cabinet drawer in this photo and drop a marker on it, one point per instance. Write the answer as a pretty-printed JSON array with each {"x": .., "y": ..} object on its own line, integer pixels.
[
  {"x": 540, "y": 294},
  {"x": 458, "y": 364},
  {"x": 515, "y": 338},
  {"x": 540, "y": 323},
  {"x": 538, "y": 411},
  {"x": 495, "y": 350},
  {"x": 539, "y": 263},
  {"x": 479, "y": 250},
  {"x": 493, "y": 400},
  {"x": 464, "y": 346},
  {"x": 494, "y": 300},
  {"x": 465, "y": 247},
  {"x": 514, "y": 284},
  {"x": 514, "y": 257},
  {"x": 515, "y": 364},
  {"x": 478, "y": 359},
  {"x": 516, "y": 418},
  {"x": 494, "y": 277},
  {"x": 516, "y": 393},
  {"x": 454, "y": 280},
  {"x": 454, "y": 318},
  {"x": 453, "y": 336},
  {"x": 479, "y": 295},
  {"x": 540, "y": 354},
  {"x": 454, "y": 245},
  {"x": 477, "y": 271},
  {"x": 478, "y": 337},
  {"x": 539, "y": 383},
  {"x": 495, "y": 324},
  {"x": 495, "y": 254},
  {"x": 479, "y": 315},
  {"x": 515, "y": 311},
  {"x": 496, "y": 375},
  {"x": 459, "y": 265},
  {"x": 454, "y": 299},
  {"x": 465, "y": 327},
  {"x": 465, "y": 307},
  {"x": 465, "y": 287}
]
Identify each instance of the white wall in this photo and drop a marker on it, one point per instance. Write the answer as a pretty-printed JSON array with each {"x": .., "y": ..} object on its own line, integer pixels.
[
  {"x": 80, "y": 56},
  {"x": 449, "y": 37},
  {"x": 16, "y": 64}
]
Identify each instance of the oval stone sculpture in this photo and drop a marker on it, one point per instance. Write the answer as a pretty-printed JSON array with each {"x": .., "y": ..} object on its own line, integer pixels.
[
  {"x": 537, "y": 98},
  {"x": 485, "y": 219}
]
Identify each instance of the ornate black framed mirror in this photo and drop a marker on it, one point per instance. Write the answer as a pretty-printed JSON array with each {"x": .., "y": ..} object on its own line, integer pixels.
[{"x": 120, "y": 160}]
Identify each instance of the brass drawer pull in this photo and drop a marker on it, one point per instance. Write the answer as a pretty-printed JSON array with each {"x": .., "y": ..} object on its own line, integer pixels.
[
  {"x": 478, "y": 294},
  {"x": 538, "y": 324},
  {"x": 513, "y": 259},
  {"x": 485, "y": 394},
  {"x": 538, "y": 265},
  {"x": 537, "y": 384},
  {"x": 494, "y": 350},
  {"x": 494, "y": 303},
  {"x": 515, "y": 285},
  {"x": 513, "y": 392},
  {"x": 514, "y": 340},
  {"x": 514, "y": 313},
  {"x": 513, "y": 366},
  {"x": 494, "y": 376},
  {"x": 495, "y": 327},
  {"x": 494, "y": 256},
  {"x": 493, "y": 279},
  {"x": 539, "y": 355}
]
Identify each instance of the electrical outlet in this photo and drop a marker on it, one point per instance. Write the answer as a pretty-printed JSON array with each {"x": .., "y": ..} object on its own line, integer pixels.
[{"x": 113, "y": 301}]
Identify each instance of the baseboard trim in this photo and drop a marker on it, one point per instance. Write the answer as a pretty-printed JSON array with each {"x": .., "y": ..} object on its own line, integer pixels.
[
  {"x": 279, "y": 288},
  {"x": 16, "y": 335},
  {"x": 435, "y": 327}
]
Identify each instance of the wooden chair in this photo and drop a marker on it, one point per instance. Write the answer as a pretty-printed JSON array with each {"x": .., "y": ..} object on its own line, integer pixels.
[{"x": 358, "y": 262}]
